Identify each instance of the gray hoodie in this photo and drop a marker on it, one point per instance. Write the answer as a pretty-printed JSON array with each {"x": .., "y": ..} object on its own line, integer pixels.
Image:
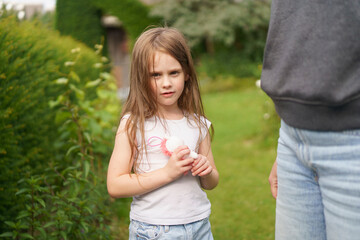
[{"x": 311, "y": 66}]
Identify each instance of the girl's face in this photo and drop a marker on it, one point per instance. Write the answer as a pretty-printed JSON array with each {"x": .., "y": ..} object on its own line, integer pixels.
[{"x": 167, "y": 81}]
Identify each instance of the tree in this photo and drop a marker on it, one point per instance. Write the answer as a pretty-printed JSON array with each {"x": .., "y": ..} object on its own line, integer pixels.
[{"x": 214, "y": 21}]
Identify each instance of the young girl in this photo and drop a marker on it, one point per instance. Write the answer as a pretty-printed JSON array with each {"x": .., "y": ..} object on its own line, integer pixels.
[{"x": 164, "y": 101}]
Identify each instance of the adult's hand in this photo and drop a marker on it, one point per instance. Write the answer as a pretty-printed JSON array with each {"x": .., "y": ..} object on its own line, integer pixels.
[{"x": 273, "y": 180}]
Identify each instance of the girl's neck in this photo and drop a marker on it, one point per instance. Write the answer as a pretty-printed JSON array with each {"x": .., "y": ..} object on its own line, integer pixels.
[{"x": 171, "y": 115}]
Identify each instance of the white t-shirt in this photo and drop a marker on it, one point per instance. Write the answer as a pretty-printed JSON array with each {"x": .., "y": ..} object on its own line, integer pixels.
[{"x": 179, "y": 202}]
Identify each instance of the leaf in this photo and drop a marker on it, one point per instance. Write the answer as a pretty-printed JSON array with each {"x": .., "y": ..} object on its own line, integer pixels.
[
  {"x": 53, "y": 104},
  {"x": 42, "y": 231},
  {"x": 61, "y": 81},
  {"x": 6, "y": 234},
  {"x": 11, "y": 224},
  {"x": 23, "y": 190},
  {"x": 85, "y": 226},
  {"x": 86, "y": 168},
  {"x": 105, "y": 75},
  {"x": 63, "y": 234},
  {"x": 26, "y": 235},
  {"x": 41, "y": 202},
  {"x": 79, "y": 93},
  {"x": 59, "y": 100},
  {"x": 49, "y": 224},
  {"x": 72, "y": 149},
  {"x": 93, "y": 83},
  {"x": 74, "y": 76},
  {"x": 88, "y": 137},
  {"x": 88, "y": 210},
  {"x": 74, "y": 214},
  {"x": 23, "y": 214}
]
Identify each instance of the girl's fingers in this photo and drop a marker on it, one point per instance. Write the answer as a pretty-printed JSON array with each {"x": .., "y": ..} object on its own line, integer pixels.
[
  {"x": 199, "y": 163},
  {"x": 181, "y": 152},
  {"x": 187, "y": 162},
  {"x": 202, "y": 170},
  {"x": 206, "y": 172}
]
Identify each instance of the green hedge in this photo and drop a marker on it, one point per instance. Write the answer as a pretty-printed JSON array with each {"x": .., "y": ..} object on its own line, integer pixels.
[
  {"x": 31, "y": 58},
  {"x": 133, "y": 14},
  {"x": 79, "y": 19}
]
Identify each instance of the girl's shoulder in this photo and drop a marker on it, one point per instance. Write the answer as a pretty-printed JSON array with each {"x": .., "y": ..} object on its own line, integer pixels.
[
  {"x": 123, "y": 123},
  {"x": 201, "y": 120},
  {"x": 125, "y": 116}
]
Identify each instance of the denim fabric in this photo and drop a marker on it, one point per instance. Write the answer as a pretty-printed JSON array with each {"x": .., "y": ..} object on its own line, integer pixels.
[
  {"x": 200, "y": 230},
  {"x": 318, "y": 185}
]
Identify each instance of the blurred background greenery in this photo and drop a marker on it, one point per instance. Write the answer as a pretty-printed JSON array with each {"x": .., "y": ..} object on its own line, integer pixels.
[{"x": 61, "y": 76}]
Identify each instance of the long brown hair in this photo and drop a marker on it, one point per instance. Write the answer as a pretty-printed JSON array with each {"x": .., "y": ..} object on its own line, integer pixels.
[{"x": 141, "y": 102}]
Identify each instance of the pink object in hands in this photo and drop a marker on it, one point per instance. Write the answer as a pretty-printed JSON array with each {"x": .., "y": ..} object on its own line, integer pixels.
[{"x": 168, "y": 146}]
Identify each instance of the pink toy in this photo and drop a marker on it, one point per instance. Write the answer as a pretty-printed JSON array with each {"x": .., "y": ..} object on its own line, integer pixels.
[{"x": 168, "y": 145}]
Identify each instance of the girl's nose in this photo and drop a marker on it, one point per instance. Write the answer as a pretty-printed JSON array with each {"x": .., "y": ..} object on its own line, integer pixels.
[{"x": 166, "y": 83}]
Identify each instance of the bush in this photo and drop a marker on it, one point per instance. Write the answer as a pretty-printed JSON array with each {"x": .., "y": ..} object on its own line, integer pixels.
[
  {"x": 55, "y": 127},
  {"x": 80, "y": 20},
  {"x": 133, "y": 14},
  {"x": 226, "y": 63}
]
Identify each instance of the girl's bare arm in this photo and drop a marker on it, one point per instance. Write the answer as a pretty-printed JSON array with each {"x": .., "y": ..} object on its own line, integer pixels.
[{"x": 205, "y": 167}]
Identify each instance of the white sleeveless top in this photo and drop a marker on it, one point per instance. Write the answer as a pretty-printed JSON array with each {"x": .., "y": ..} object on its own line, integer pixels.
[{"x": 179, "y": 202}]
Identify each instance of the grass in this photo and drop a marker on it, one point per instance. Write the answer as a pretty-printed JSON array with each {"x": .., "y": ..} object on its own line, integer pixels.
[
  {"x": 242, "y": 206},
  {"x": 244, "y": 148}
]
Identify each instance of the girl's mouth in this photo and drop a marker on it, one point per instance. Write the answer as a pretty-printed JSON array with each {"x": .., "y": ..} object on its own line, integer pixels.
[{"x": 167, "y": 94}]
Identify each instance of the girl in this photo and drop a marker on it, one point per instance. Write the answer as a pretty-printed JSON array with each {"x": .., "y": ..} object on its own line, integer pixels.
[{"x": 164, "y": 100}]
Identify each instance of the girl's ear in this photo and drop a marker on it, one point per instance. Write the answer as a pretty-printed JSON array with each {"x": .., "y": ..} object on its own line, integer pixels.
[{"x": 187, "y": 77}]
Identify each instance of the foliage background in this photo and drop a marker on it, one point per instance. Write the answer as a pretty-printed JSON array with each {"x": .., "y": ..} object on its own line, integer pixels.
[
  {"x": 59, "y": 114},
  {"x": 56, "y": 127},
  {"x": 219, "y": 25},
  {"x": 80, "y": 20}
]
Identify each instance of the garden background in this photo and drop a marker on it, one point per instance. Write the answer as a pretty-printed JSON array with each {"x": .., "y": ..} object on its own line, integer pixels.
[{"x": 59, "y": 113}]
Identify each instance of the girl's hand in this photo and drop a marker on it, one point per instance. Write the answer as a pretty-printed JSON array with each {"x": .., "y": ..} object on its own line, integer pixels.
[
  {"x": 201, "y": 166},
  {"x": 179, "y": 163}
]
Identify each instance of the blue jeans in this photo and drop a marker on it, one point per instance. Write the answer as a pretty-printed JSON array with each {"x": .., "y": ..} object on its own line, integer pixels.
[
  {"x": 318, "y": 185},
  {"x": 200, "y": 230}
]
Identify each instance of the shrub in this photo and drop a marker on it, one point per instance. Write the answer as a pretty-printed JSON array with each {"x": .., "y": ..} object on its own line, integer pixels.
[
  {"x": 54, "y": 128},
  {"x": 226, "y": 63},
  {"x": 80, "y": 20}
]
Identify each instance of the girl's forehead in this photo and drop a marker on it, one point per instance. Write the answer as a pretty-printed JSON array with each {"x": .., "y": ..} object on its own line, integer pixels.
[{"x": 158, "y": 55}]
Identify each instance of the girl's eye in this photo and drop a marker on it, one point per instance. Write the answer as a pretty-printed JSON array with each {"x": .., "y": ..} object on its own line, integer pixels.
[
  {"x": 174, "y": 73},
  {"x": 155, "y": 75}
]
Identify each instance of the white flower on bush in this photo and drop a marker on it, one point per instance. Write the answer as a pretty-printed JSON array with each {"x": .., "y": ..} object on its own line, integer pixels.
[
  {"x": 258, "y": 83},
  {"x": 69, "y": 63},
  {"x": 61, "y": 81},
  {"x": 21, "y": 15},
  {"x": 75, "y": 50},
  {"x": 98, "y": 65},
  {"x": 8, "y": 6},
  {"x": 98, "y": 46}
]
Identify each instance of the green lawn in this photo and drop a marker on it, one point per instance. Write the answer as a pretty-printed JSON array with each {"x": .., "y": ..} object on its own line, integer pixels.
[
  {"x": 242, "y": 206},
  {"x": 244, "y": 149}
]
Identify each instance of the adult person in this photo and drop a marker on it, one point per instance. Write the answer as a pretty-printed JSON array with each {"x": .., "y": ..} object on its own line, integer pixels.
[{"x": 311, "y": 71}]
